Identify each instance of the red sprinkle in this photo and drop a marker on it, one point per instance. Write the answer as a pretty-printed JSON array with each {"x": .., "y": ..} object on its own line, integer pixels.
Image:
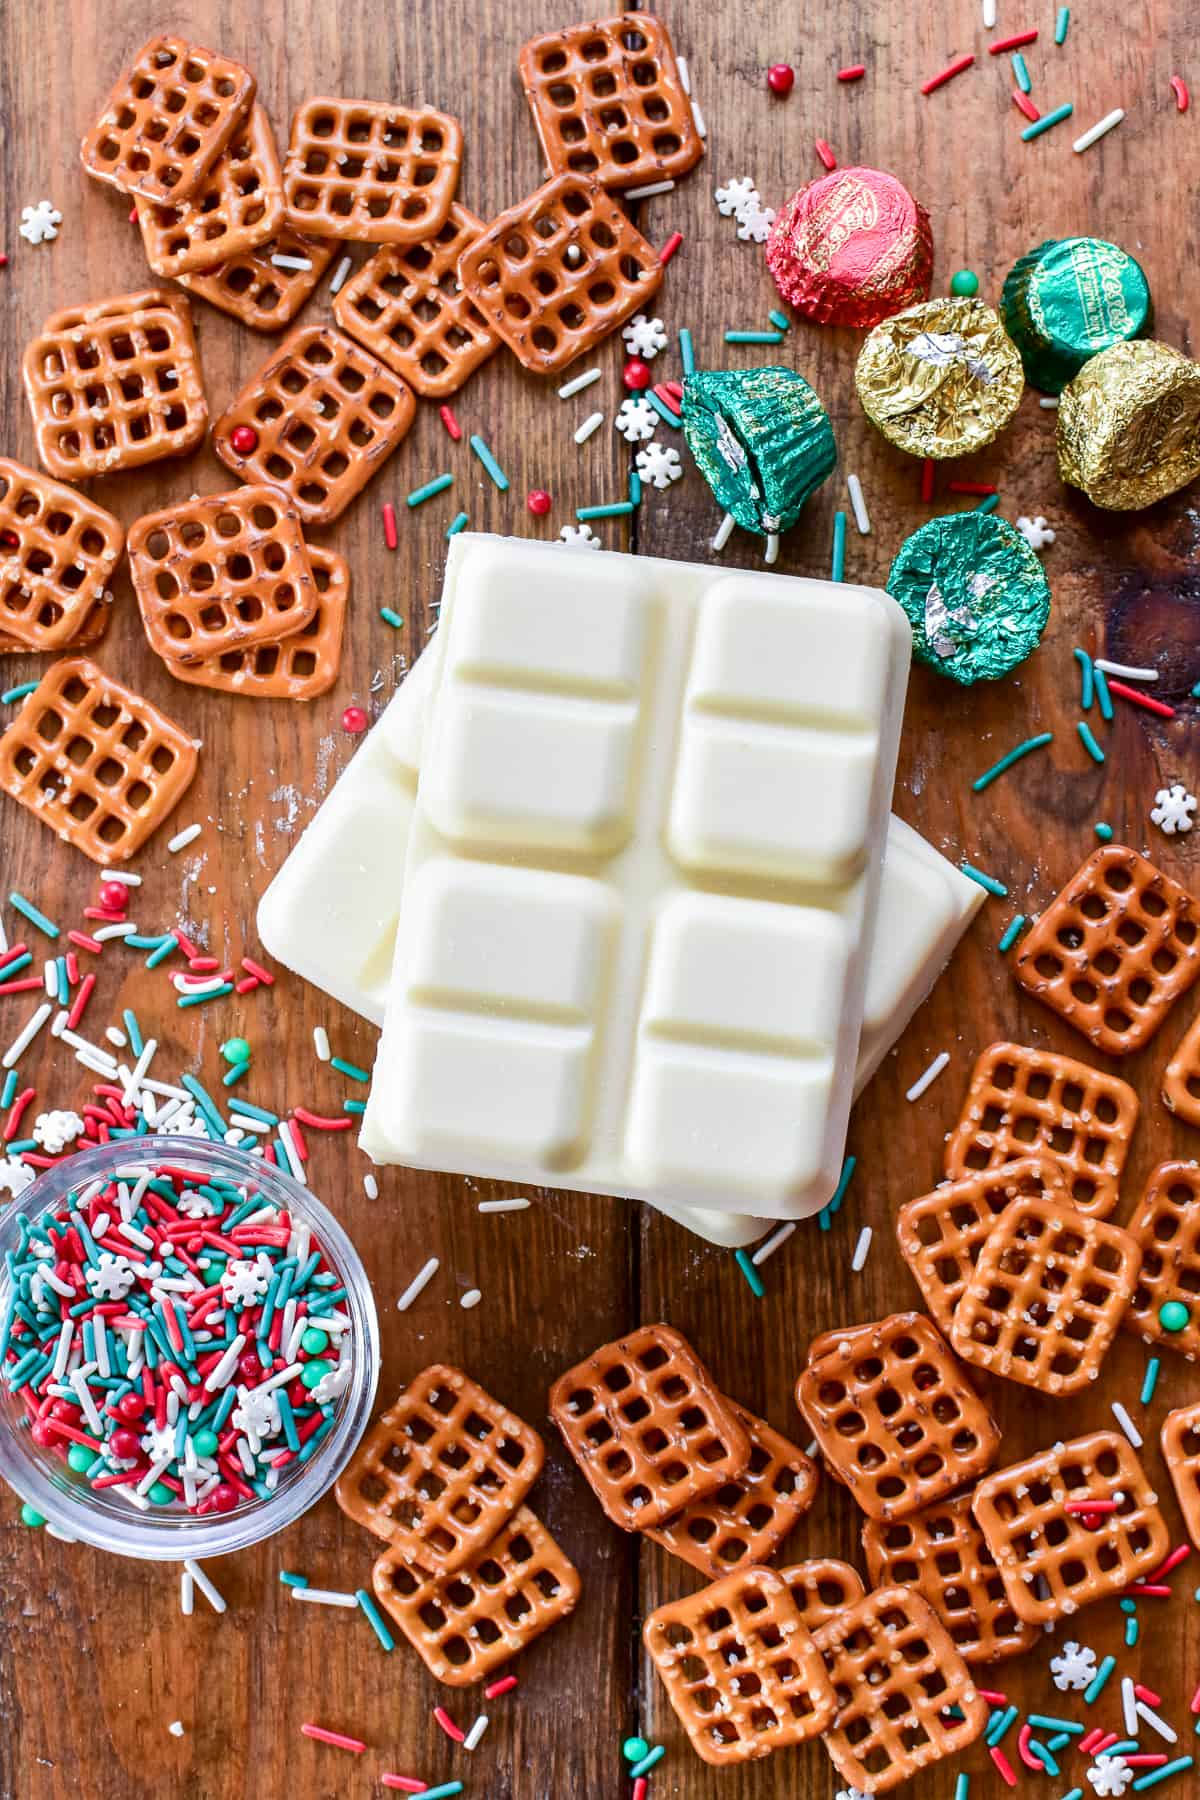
[
  {"x": 1091, "y": 1520},
  {"x": 539, "y": 502},
  {"x": 405, "y": 1783},
  {"x": 244, "y": 440},
  {"x": 1105, "y": 1742},
  {"x": 14, "y": 1114},
  {"x": 254, "y": 968},
  {"x": 354, "y": 720},
  {"x": 505, "y": 1685},
  {"x": 1012, "y": 43},
  {"x": 1146, "y": 1590},
  {"x": 1195, "y": 1705},
  {"x": 133, "y": 218},
  {"x": 1025, "y": 1753},
  {"x": 1179, "y": 88},
  {"x": 336, "y": 1738},
  {"x": 993, "y": 1696},
  {"x": 1001, "y": 1761},
  {"x": 1087, "y": 1744},
  {"x": 247, "y": 984},
  {"x": 114, "y": 895},
  {"x": 85, "y": 942},
  {"x": 1026, "y": 105},
  {"x": 971, "y": 487},
  {"x": 81, "y": 1000},
  {"x": 928, "y": 476},
  {"x": 825, "y": 153},
  {"x": 318, "y": 1123},
  {"x": 1149, "y": 704},
  {"x": 948, "y": 73},
  {"x": 389, "y": 525},
  {"x": 4, "y": 259},
  {"x": 781, "y": 78},
  {"x": 1172, "y": 1561},
  {"x": 446, "y": 415},
  {"x": 670, "y": 247},
  {"x": 667, "y": 397},
  {"x": 1146, "y": 1760},
  {"x": 1087, "y": 1506},
  {"x": 1147, "y": 1694},
  {"x": 448, "y": 1726},
  {"x": 854, "y": 72},
  {"x": 641, "y": 1788},
  {"x": 12, "y": 955}
]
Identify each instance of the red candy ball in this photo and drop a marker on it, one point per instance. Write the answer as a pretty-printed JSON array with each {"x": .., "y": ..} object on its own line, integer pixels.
[
  {"x": 66, "y": 1411},
  {"x": 1091, "y": 1521},
  {"x": 114, "y": 896},
  {"x": 225, "y": 1497},
  {"x": 781, "y": 78},
  {"x": 243, "y": 439},
  {"x": 354, "y": 720},
  {"x": 44, "y": 1434},
  {"x": 131, "y": 1406},
  {"x": 636, "y": 374},
  {"x": 124, "y": 1442},
  {"x": 249, "y": 1367},
  {"x": 539, "y": 502}
]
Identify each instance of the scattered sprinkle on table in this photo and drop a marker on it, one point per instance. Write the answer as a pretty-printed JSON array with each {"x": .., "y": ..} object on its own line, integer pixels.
[
  {"x": 948, "y": 73},
  {"x": 858, "y": 505},
  {"x": 337, "y": 1738},
  {"x": 1100, "y": 129},
  {"x": 929, "y": 1077},
  {"x": 1047, "y": 122},
  {"x": 418, "y": 1283},
  {"x": 861, "y": 1249},
  {"x": 996, "y": 888},
  {"x": 1013, "y": 756},
  {"x": 1088, "y": 740},
  {"x": 779, "y": 1236},
  {"x": 489, "y": 462},
  {"x": 1012, "y": 932},
  {"x": 753, "y": 1279}
]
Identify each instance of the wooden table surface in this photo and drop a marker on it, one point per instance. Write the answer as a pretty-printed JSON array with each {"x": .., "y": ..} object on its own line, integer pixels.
[{"x": 95, "y": 1660}]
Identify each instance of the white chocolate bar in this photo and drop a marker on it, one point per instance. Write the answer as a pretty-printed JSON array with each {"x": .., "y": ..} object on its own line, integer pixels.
[{"x": 641, "y": 881}]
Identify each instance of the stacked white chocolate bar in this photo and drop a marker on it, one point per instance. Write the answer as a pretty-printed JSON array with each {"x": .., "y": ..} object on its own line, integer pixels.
[{"x": 637, "y": 813}]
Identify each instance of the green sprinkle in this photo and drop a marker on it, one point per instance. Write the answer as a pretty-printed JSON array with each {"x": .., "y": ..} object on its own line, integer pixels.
[
  {"x": 458, "y": 523},
  {"x": 753, "y": 1279},
  {"x": 1089, "y": 742},
  {"x": 687, "y": 356},
  {"x": 634, "y": 1748},
  {"x": 618, "y": 509},
  {"x": 1131, "y": 1633},
  {"x": 489, "y": 462},
  {"x": 373, "y": 1617},
  {"x": 79, "y": 1458},
  {"x": 1196, "y": 691},
  {"x": 754, "y": 337},
  {"x": 779, "y": 320},
  {"x": 1006, "y": 762},
  {"x": 962, "y": 1787},
  {"x": 1151, "y": 1381},
  {"x": 1104, "y": 698},
  {"x": 11, "y": 695},
  {"x": 1047, "y": 1722},
  {"x": 217, "y": 993},
  {"x": 1001, "y": 1723},
  {"x": 964, "y": 282},
  {"x": 354, "y": 1106},
  {"x": 994, "y": 887},
  {"x": 1099, "y": 1680},
  {"x": 648, "y": 1762},
  {"x": 292, "y": 1581},
  {"x": 988, "y": 505},
  {"x": 29, "y": 1514},
  {"x": 662, "y": 409},
  {"x": 1021, "y": 73},
  {"x": 1045, "y": 123},
  {"x": 1012, "y": 932},
  {"x": 837, "y": 570},
  {"x": 30, "y": 911},
  {"x": 1062, "y": 19},
  {"x": 165, "y": 949},
  {"x": 1103, "y": 832},
  {"x": 1174, "y": 1315},
  {"x": 235, "y": 1050},
  {"x": 1143, "y": 1782},
  {"x": 440, "y": 483},
  {"x": 1085, "y": 678},
  {"x": 1129, "y": 1606},
  {"x": 1044, "y": 1755},
  {"x": 635, "y": 488},
  {"x": 349, "y": 1069},
  {"x": 234, "y": 1075},
  {"x": 392, "y": 618}
]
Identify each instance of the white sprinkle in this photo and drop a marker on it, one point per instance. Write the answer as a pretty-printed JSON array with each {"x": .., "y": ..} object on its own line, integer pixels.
[
  {"x": 861, "y": 1249},
  {"x": 62, "y": 1355},
  {"x": 577, "y": 383},
  {"x": 777, "y": 1237},
  {"x": 295, "y": 1162},
  {"x": 321, "y": 1042},
  {"x": 476, "y": 1732},
  {"x": 651, "y": 188},
  {"x": 989, "y": 14},
  {"x": 502, "y": 1206},
  {"x": 701, "y": 127},
  {"x": 724, "y": 532},
  {"x": 130, "y": 1078},
  {"x": 1099, "y": 130},
  {"x": 685, "y": 77},
  {"x": 862, "y": 517},
  {"x": 81, "y": 1043},
  {"x": 152, "y": 1473},
  {"x": 190, "y": 833},
  {"x": 1127, "y": 1425},
  {"x": 3, "y": 939},
  {"x": 221, "y": 1375},
  {"x": 187, "y": 1594},
  {"x": 417, "y": 1283},
  {"x": 50, "y": 977},
  {"x": 1129, "y": 1706},
  {"x": 588, "y": 429},
  {"x": 471, "y": 1298},
  {"x": 302, "y": 263},
  {"x": 929, "y": 1077},
  {"x": 26, "y": 1035},
  {"x": 1156, "y": 1723},
  {"x": 370, "y": 1187},
  {"x": 122, "y": 875},
  {"x": 772, "y": 552},
  {"x": 134, "y": 1236},
  {"x": 114, "y": 931},
  {"x": 1049, "y": 402},
  {"x": 324, "y": 1597},
  {"x": 116, "y": 1036},
  {"x": 573, "y": 254},
  {"x": 340, "y": 273},
  {"x": 176, "y": 1728},
  {"x": 284, "y": 1375},
  {"x": 215, "y": 1599},
  {"x": 1124, "y": 671}
]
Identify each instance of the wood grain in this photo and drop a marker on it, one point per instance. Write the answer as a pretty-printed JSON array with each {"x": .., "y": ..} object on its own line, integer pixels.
[{"x": 95, "y": 1660}]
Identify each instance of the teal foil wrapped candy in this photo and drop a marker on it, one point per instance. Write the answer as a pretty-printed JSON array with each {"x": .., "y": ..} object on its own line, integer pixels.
[
  {"x": 761, "y": 439},
  {"x": 975, "y": 594}
]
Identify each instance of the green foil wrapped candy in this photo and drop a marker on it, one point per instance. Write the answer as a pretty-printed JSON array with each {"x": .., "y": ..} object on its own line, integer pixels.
[
  {"x": 762, "y": 441},
  {"x": 1068, "y": 300},
  {"x": 975, "y": 594}
]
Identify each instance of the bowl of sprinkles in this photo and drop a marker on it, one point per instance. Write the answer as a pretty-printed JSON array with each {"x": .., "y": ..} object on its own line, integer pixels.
[{"x": 188, "y": 1348}]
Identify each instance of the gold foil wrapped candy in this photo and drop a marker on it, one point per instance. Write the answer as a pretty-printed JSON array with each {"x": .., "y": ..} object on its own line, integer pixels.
[
  {"x": 940, "y": 379},
  {"x": 1129, "y": 425}
]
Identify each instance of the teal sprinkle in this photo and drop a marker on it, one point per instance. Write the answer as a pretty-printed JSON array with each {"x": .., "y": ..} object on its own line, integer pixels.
[
  {"x": 217, "y": 993},
  {"x": 293, "y": 1581},
  {"x": 962, "y": 1787},
  {"x": 1151, "y": 1381},
  {"x": 753, "y": 1278},
  {"x": 1196, "y": 691},
  {"x": 779, "y": 320},
  {"x": 314, "y": 1443},
  {"x": 1103, "y": 696},
  {"x": 252, "y": 1112},
  {"x": 1085, "y": 677},
  {"x": 15, "y": 967},
  {"x": 440, "y": 483},
  {"x": 1129, "y": 1606},
  {"x": 1088, "y": 740},
  {"x": 354, "y": 1106},
  {"x": 1046, "y": 123},
  {"x": 134, "y": 942},
  {"x": 1099, "y": 1680},
  {"x": 164, "y": 950},
  {"x": 31, "y": 912},
  {"x": 988, "y": 505},
  {"x": 647, "y": 1763},
  {"x": 1047, "y": 1722},
  {"x": 489, "y": 462},
  {"x": 989, "y": 882},
  {"x": 16, "y": 1148},
  {"x": 373, "y": 1618},
  {"x": 1103, "y": 832},
  {"x": 349, "y": 1069},
  {"x": 1012, "y": 932},
  {"x": 133, "y": 1031},
  {"x": 234, "y": 1075},
  {"x": 1044, "y": 1756},
  {"x": 635, "y": 488},
  {"x": 458, "y": 523},
  {"x": 10, "y": 1088},
  {"x": 844, "y": 1179},
  {"x": 1131, "y": 1633},
  {"x": 754, "y": 337},
  {"x": 662, "y": 409},
  {"x": 327, "y": 1302},
  {"x": 837, "y": 571},
  {"x": 391, "y": 618},
  {"x": 13, "y": 694},
  {"x": 227, "y": 1404},
  {"x": 1076, "y": 1793},
  {"x": 688, "y": 357},
  {"x": 288, "y": 1418},
  {"x": 1021, "y": 73},
  {"x": 1006, "y": 762},
  {"x": 1062, "y": 19},
  {"x": 1143, "y": 1782},
  {"x": 62, "y": 985},
  {"x": 617, "y": 510},
  {"x": 1000, "y": 1725},
  {"x": 205, "y": 1102},
  {"x": 446, "y": 1792}
]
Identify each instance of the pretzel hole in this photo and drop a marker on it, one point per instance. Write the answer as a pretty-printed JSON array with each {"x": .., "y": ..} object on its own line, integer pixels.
[
  {"x": 869, "y": 1456},
  {"x": 850, "y": 1424},
  {"x": 107, "y": 772},
  {"x": 1154, "y": 904},
  {"x": 1117, "y": 1020},
  {"x": 1140, "y": 989},
  {"x": 1185, "y": 931},
  {"x": 601, "y": 293},
  {"x": 1117, "y": 878},
  {"x": 279, "y": 468},
  {"x": 166, "y": 585},
  {"x": 201, "y": 577},
  {"x": 174, "y": 419}
]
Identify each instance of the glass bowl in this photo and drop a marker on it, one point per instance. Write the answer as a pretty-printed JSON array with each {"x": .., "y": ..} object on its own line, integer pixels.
[{"x": 101, "y": 1516}]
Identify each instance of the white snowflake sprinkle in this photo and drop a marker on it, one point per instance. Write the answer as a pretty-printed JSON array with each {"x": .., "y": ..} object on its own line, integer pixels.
[
  {"x": 14, "y": 1176},
  {"x": 851, "y": 1793},
  {"x": 55, "y": 1130},
  {"x": 660, "y": 464},
  {"x": 244, "y": 1282},
  {"x": 636, "y": 420},
  {"x": 332, "y": 1386},
  {"x": 1075, "y": 1668},
  {"x": 1036, "y": 532},
  {"x": 111, "y": 1278},
  {"x": 754, "y": 227},
  {"x": 579, "y": 537},
  {"x": 1110, "y": 1775},
  {"x": 40, "y": 223},
  {"x": 196, "y": 1206},
  {"x": 1173, "y": 808},
  {"x": 645, "y": 337},
  {"x": 257, "y": 1414},
  {"x": 159, "y": 1443},
  {"x": 737, "y": 198}
]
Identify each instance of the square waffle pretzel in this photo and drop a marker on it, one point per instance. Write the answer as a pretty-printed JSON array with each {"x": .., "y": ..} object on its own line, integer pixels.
[
  {"x": 1046, "y": 1297},
  {"x": 91, "y": 632},
  {"x": 57, "y": 554},
  {"x": 1025, "y": 1102},
  {"x": 1181, "y": 1081},
  {"x": 645, "y": 1422},
  {"x": 114, "y": 384},
  {"x": 441, "y": 1471},
  {"x": 94, "y": 761},
  {"x": 821, "y": 1588},
  {"x": 1180, "y": 1439},
  {"x": 1167, "y": 1227},
  {"x": 941, "y": 1553},
  {"x": 366, "y": 170},
  {"x": 557, "y": 273},
  {"x": 170, "y": 115},
  {"x": 237, "y": 206},
  {"x": 405, "y": 305},
  {"x": 894, "y": 1417},
  {"x": 256, "y": 289},
  {"x": 896, "y": 1674},
  {"x": 1114, "y": 952},
  {"x": 298, "y": 667},
  {"x": 326, "y": 415},
  {"x": 941, "y": 1234},
  {"x": 1050, "y": 1560},
  {"x": 465, "y": 1625},
  {"x": 748, "y": 1518},
  {"x": 740, "y": 1667},
  {"x": 221, "y": 572},
  {"x": 609, "y": 103}
]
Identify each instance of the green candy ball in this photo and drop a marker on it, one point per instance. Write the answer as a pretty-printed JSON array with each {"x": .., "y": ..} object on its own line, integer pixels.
[
  {"x": 634, "y": 1748},
  {"x": 314, "y": 1341},
  {"x": 160, "y": 1495},
  {"x": 964, "y": 282},
  {"x": 315, "y": 1372},
  {"x": 236, "y": 1050},
  {"x": 80, "y": 1458},
  {"x": 1173, "y": 1315},
  {"x": 205, "y": 1442},
  {"x": 31, "y": 1517}
]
